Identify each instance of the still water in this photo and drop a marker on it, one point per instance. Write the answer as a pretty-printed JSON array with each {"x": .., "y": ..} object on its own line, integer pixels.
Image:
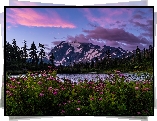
[{"x": 95, "y": 77}]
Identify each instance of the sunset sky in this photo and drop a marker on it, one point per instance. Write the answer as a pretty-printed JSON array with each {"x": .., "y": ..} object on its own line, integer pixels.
[{"x": 118, "y": 27}]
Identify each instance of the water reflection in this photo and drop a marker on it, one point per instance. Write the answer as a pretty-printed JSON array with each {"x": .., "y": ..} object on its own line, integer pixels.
[{"x": 96, "y": 77}]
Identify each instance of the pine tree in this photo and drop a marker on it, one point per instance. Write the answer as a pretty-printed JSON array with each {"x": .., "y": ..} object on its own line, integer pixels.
[
  {"x": 33, "y": 53},
  {"x": 24, "y": 50},
  {"x": 52, "y": 59},
  {"x": 41, "y": 53}
]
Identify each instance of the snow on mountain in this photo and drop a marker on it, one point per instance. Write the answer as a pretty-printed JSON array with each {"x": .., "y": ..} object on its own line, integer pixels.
[{"x": 67, "y": 52}]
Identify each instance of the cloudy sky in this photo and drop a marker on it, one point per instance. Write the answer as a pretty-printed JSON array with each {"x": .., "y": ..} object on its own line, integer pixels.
[{"x": 118, "y": 27}]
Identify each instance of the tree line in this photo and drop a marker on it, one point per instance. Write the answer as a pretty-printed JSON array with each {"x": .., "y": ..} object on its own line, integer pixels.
[{"x": 21, "y": 60}]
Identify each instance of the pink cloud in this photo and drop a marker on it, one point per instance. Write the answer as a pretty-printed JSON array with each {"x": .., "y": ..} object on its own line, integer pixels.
[
  {"x": 29, "y": 17},
  {"x": 111, "y": 37},
  {"x": 114, "y": 34},
  {"x": 115, "y": 37},
  {"x": 108, "y": 16}
]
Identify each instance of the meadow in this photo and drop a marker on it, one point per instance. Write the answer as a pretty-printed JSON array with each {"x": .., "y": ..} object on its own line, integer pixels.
[{"x": 49, "y": 96}]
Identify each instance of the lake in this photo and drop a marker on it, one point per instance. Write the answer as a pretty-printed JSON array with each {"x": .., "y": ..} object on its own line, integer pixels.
[{"x": 95, "y": 77}]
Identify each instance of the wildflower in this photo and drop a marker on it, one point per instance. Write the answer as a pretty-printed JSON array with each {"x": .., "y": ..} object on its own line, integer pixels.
[
  {"x": 121, "y": 75},
  {"x": 39, "y": 82},
  {"x": 138, "y": 113},
  {"x": 78, "y": 108},
  {"x": 100, "y": 98},
  {"x": 18, "y": 82},
  {"x": 32, "y": 74},
  {"x": 7, "y": 92},
  {"x": 10, "y": 94},
  {"x": 12, "y": 87},
  {"x": 146, "y": 89},
  {"x": 92, "y": 98},
  {"x": 55, "y": 89},
  {"x": 136, "y": 88},
  {"x": 48, "y": 78},
  {"x": 55, "y": 93},
  {"x": 41, "y": 94},
  {"x": 12, "y": 79},
  {"x": 69, "y": 101},
  {"x": 62, "y": 88},
  {"x": 62, "y": 111},
  {"x": 90, "y": 87},
  {"x": 78, "y": 101},
  {"x": 44, "y": 75},
  {"x": 101, "y": 93},
  {"x": 50, "y": 88},
  {"x": 117, "y": 71},
  {"x": 25, "y": 79},
  {"x": 64, "y": 103},
  {"x": 49, "y": 66}
]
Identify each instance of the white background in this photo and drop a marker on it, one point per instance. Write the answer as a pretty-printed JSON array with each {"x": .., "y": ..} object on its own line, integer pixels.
[{"x": 69, "y": 2}]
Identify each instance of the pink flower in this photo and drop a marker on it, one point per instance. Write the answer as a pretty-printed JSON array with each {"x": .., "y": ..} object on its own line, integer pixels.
[
  {"x": 39, "y": 82},
  {"x": 55, "y": 89},
  {"x": 49, "y": 66},
  {"x": 12, "y": 79},
  {"x": 55, "y": 93},
  {"x": 136, "y": 88},
  {"x": 145, "y": 89},
  {"x": 92, "y": 98},
  {"x": 117, "y": 71},
  {"x": 44, "y": 75},
  {"x": 50, "y": 88},
  {"x": 32, "y": 74},
  {"x": 78, "y": 108},
  {"x": 78, "y": 101},
  {"x": 138, "y": 113},
  {"x": 25, "y": 79},
  {"x": 101, "y": 93},
  {"x": 90, "y": 87},
  {"x": 41, "y": 94},
  {"x": 12, "y": 87},
  {"x": 48, "y": 78},
  {"x": 144, "y": 82},
  {"x": 62, "y": 88},
  {"x": 18, "y": 82},
  {"x": 121, "y": 75},
  {"x": 100, "y": 98},
  {"x": 7, "y": 92},
  {"x": 62, "y": 111}
]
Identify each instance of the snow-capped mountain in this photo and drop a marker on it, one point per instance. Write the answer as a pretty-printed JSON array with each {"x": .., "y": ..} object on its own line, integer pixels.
[{"x": 67, "y": 52}]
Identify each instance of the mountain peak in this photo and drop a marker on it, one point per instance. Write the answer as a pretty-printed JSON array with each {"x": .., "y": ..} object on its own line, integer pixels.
[{"x": 67, "y": 52}]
